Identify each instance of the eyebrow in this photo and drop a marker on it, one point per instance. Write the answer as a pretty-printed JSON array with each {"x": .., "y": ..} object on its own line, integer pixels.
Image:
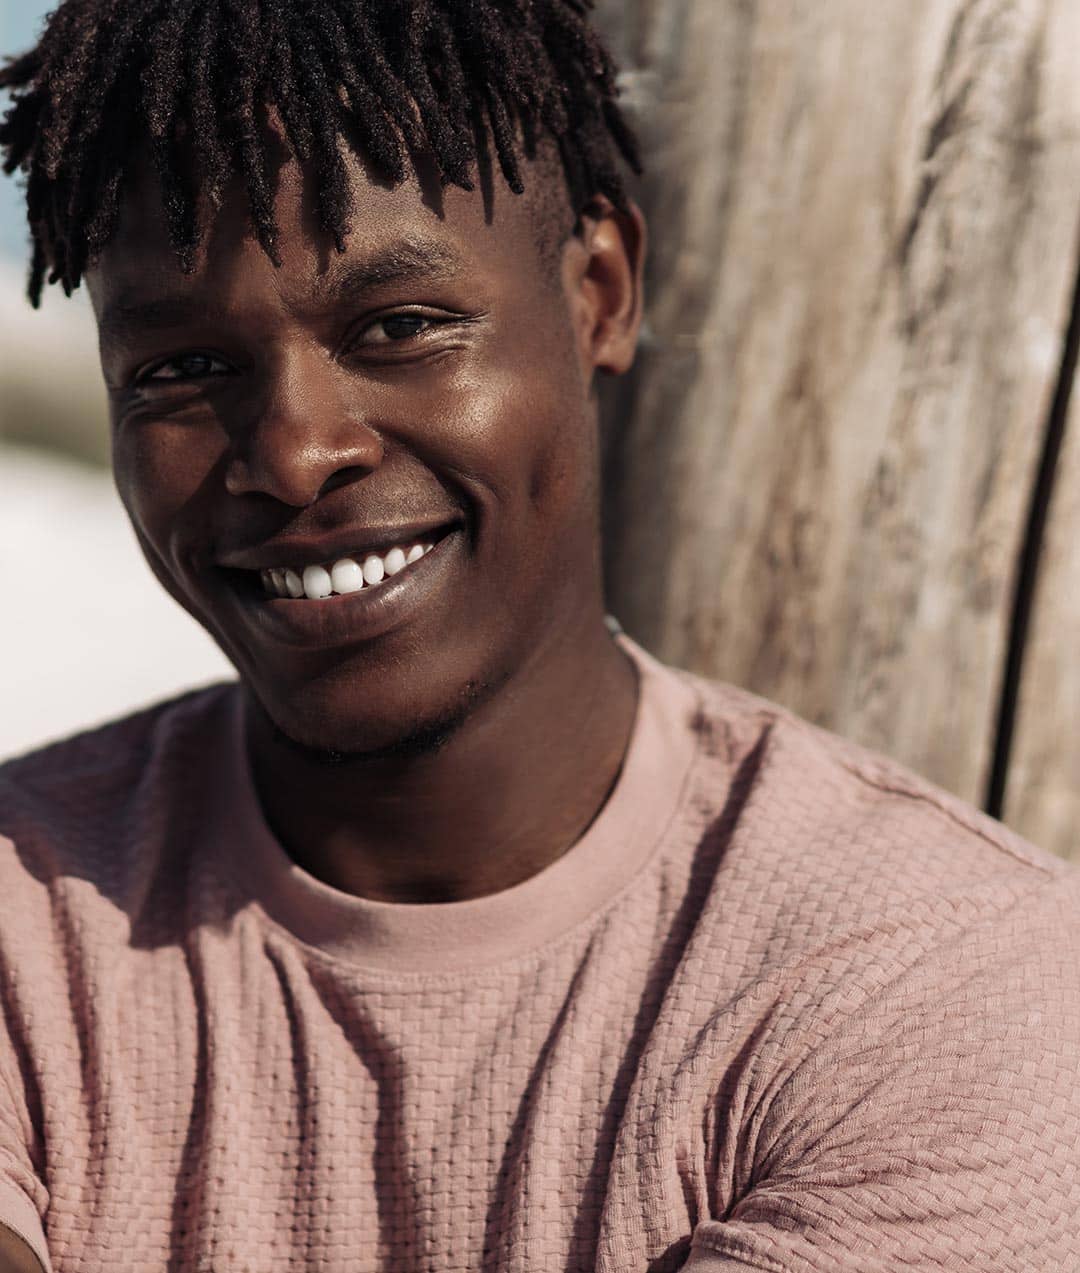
[
  {"x": 409, "y": 260},
  {"x": 406, "y": 261}
]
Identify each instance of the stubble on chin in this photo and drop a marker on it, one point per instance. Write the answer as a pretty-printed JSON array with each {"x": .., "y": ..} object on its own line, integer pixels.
[{"x": 424, "y": 739}]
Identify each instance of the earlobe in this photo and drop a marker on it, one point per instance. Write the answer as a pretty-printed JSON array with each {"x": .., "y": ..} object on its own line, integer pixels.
[{"x": 612, "y": 283}]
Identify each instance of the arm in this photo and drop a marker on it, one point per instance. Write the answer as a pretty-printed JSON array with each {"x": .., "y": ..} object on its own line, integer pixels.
[
  {"x": 16, "y": 1256},
  {"x": 936, "y": 1125}
]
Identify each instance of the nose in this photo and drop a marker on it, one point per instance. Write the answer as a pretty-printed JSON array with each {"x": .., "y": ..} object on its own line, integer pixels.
[{"x": 305, "y": 437}]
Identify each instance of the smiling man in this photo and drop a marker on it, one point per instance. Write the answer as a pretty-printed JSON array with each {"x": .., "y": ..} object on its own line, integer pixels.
[{"x": 459, "y": 933}]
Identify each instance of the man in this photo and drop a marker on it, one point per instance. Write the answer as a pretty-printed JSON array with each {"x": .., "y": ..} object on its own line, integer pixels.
[{"x": 460, "y": 933}]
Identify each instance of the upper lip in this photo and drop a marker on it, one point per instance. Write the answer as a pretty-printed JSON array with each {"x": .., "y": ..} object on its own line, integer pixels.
[{"x": 297, "y": 550}]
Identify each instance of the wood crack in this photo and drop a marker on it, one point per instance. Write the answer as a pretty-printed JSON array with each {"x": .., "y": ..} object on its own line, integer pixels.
[{"x": 1030, "y": 556}]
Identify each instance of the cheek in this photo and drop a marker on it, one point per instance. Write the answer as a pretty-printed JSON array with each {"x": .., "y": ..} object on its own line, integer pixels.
[
  {"x": 521, "y": 445},
  {"x": 522, "y": 426},
  {"x": 554, "y": 445},
  {"x": 160, "y": 469}
]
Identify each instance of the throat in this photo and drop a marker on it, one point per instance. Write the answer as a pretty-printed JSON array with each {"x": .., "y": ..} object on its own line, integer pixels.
[{"x": 460, "y": 810}]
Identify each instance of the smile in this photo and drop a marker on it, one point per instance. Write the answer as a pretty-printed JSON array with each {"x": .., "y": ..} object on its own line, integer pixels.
[
  {"x": 345, "y": 575},
  {"x": 350, "y": 599}
]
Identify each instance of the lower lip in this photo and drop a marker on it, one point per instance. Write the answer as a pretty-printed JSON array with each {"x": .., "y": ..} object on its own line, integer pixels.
[{"x": 358, "y": 616}]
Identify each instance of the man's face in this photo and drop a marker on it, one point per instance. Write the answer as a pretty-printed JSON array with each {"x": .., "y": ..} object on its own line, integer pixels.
[{"x": 428, "y": 386}]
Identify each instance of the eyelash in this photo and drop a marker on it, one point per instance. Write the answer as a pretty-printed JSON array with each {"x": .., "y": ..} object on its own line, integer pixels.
[
  {"x": 398, "y": 315},
  {"x": 149, "y": 376}
]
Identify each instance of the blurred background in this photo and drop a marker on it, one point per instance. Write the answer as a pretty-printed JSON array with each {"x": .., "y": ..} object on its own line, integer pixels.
[
  {"x": 844, "y": 472},
  {"x": 87, "y": 632}
]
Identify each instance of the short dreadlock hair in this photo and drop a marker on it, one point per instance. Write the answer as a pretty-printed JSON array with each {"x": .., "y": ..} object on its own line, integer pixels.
[{"x": 391, "y": 78}]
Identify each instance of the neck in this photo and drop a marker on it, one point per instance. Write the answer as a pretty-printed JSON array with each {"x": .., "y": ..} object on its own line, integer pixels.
[{"x": 514, "y": 787}]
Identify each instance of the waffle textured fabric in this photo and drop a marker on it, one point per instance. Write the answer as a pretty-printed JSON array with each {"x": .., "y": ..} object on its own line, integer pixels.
[{"x": 784, "y": 1006}]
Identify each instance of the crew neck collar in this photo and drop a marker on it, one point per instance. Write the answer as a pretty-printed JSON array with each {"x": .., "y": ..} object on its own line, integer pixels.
[{"x": 483, "y": 932}]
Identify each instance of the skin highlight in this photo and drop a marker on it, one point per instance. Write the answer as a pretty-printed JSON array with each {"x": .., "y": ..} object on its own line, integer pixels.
[{"x": 476, "y": 740}]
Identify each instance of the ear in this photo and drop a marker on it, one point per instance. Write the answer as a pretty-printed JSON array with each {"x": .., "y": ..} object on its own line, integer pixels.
[{"x": 604, "y": 281}]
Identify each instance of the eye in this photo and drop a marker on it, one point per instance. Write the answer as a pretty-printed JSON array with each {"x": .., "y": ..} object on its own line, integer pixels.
[
  {"x": 193, "y": 366},
  {"x": 394, "y": 328}
]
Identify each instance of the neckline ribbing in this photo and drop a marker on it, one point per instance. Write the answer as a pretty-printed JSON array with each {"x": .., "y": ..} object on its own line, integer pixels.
[{"x": 467, "y": 936}]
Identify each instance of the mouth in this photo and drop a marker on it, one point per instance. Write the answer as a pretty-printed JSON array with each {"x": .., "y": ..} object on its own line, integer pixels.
[
  {"x": 353, "y": 597},
  {"x": 348, "y": 573}
]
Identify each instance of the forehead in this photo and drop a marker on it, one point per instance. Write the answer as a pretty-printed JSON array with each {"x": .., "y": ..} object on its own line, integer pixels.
[{"x": 408, "y": 232}]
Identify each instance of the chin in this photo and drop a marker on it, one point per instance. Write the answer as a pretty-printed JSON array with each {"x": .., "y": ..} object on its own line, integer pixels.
[{"x": 334, "y": 723}]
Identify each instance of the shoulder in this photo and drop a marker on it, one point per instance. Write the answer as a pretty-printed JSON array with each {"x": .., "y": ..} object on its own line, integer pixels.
[
  {"x": 74, "y": 802},
  {"x": 822, "y": 784},
  {"x": 826, "y": 850},
  {"x": 864, "y": 911}
]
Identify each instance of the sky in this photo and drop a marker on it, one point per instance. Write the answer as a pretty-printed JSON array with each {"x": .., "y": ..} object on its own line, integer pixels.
[{"x": 20, "y": 23}]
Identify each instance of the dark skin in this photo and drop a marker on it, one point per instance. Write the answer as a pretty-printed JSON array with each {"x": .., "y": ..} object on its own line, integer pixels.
[
  {"x": 15, "y": 1254},
  {"x": 478, "y": 731}
]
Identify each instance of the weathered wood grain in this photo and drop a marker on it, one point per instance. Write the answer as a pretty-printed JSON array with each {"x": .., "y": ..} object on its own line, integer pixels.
[
  {"x": 1042, "y": 795},
  {"x": 863, "y": 256}
]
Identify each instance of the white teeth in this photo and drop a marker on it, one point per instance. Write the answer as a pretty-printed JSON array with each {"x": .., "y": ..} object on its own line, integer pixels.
[
  {"x": 342, "y": 576},
  {"x": 346, "y": 576},
  {"x": 373, "y": 569},
  {"x": 317, "y": 583}
]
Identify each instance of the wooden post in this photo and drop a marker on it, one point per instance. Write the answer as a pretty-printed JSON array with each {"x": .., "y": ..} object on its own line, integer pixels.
[{"x": 864, "y": 253}]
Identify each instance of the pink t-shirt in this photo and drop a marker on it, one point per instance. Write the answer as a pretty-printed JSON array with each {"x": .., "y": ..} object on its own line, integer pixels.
[{"x": 785, "y": 1006}]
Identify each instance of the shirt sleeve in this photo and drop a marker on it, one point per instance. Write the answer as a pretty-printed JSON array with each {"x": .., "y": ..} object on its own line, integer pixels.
[
  {"x": 938, "y": 1126},
  {"x": 23, "y": 1197}
]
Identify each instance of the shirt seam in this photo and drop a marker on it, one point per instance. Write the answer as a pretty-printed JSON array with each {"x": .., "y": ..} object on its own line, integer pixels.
[
  {"x": 899, "y": 788},
  {"x": 927, "y": 799},
  {"x": 740, "y": 1250}
]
